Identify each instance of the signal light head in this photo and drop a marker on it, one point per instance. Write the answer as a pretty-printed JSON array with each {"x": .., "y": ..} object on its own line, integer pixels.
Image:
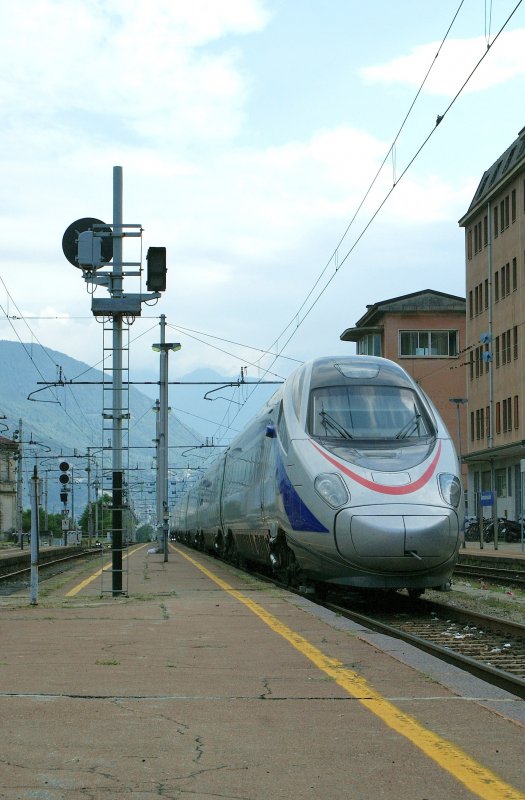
[{"x": 156, "y": 269}]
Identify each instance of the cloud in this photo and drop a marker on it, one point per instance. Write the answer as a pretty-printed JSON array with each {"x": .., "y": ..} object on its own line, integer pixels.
[
  {"x": 125, "y": 69},
  {"x": 89, "y": 85},
  {"x": 504, "y": 61}
]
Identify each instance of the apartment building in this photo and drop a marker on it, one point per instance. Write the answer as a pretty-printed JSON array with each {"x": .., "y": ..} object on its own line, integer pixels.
[
  {"x": 424, "y": 332},
  {"x": 495, "y": 276}
]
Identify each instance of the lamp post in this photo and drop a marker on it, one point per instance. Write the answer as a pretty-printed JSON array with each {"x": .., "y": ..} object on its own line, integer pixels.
[
  {"x": 163, "y": 348},
  {"x": 459, "y": 401}
]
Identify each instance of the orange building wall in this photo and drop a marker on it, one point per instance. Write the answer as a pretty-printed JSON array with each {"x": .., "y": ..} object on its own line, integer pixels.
[{"x": 441, "y": 378}]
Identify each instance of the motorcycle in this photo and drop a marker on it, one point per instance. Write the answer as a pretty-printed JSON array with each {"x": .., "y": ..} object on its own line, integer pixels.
[{"x": 510, "y": 530}]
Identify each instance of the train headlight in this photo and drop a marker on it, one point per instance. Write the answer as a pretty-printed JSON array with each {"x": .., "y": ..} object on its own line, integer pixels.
[
  {"x": 450, "y": 488},
  {"x": 332, "y": 489}
]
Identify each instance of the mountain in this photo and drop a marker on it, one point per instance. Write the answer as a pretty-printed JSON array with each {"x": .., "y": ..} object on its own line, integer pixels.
[
  {"x": 67, "y": 418},
  {"x": 214, "y": 402}
]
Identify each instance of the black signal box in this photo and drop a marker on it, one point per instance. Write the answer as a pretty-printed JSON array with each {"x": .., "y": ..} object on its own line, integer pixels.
[{"x": 156, "y": 269}]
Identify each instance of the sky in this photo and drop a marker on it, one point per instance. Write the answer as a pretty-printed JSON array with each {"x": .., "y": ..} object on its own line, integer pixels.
[{"x": 285, "y": 152}]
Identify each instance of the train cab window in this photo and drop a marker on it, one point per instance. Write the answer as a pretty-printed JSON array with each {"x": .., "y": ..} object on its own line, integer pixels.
[{"x": 368, "y": 412}]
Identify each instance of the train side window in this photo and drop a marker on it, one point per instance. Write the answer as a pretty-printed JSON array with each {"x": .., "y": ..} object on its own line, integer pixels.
[
  {"x": 297, "y": 392},
  {"x": 281, "y": 430}
]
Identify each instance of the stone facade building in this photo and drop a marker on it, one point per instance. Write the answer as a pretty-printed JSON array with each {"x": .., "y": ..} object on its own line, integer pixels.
[{"x": 495, "y": 276}]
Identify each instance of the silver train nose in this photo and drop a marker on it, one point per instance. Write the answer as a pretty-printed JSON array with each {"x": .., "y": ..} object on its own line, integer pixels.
[{"x": 410, "y": 538}]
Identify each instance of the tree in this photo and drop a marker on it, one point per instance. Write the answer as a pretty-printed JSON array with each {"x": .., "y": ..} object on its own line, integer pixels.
[
  {"x": 145, "y": 533},
  {"x": 103, "y": 507},
  {"x": 54, "y": 522}
]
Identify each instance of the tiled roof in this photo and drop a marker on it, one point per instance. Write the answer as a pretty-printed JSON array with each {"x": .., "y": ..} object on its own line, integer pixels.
[
  {"x": 424, "y": 301},
  {"x": 502, "y": 167}
]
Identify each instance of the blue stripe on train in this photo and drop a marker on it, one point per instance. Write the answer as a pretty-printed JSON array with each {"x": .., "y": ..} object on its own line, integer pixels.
[{"x": 300, "y": 516}]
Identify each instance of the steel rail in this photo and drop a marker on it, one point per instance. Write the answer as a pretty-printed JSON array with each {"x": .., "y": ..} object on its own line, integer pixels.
[
  {"x": 12, "y": 575},
  {"x": 509, "y": 577},
  {"x": 511, "y": 683}
]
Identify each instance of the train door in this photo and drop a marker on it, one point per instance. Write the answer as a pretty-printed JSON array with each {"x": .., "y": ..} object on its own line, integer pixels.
[{"x": 268, "y": 481}]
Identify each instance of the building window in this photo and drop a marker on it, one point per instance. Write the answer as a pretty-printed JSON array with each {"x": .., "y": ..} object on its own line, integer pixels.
[
  {"x": 515, "y": 342},
  {"x": 505, "y": 347},
  {"x": 486, "y": 230},
  {"x": 513, "y": 205},
  {"x": 496, "y": 287},
  {"x": 487, "y": 292},
  {"x": 497, "y": 422},
  {"x": 471, "y": 426},
  {"x": 501, "y": 482},
  {"x": 505, "y": 280},
  {"x": 507, "y": 415},
  {"x": 496, "y": 350},
  {"x": 495, "y": 221},
  {"x": 516, "y": 411},
  {"x": 370, "y": 345},
  {"x": 487, "y": 418},
  {"x": 428, "y": 344},
  {"x": 514, "y": 274}
]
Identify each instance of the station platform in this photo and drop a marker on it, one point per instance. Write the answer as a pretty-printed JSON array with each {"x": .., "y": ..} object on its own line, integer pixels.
[
  {"x": 208, "y": 683},
  {"x": 503, "y": 549}
]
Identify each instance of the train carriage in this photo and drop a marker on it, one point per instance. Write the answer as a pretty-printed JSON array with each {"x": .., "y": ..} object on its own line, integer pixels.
[{"x": 346, "y": 476}]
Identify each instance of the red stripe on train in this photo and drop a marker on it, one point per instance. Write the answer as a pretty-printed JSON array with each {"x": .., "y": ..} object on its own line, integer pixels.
[{"x": 379, "y": 487}]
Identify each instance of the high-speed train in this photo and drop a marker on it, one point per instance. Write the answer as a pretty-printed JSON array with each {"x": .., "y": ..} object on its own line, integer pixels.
[{"x": 346, "y": 476}]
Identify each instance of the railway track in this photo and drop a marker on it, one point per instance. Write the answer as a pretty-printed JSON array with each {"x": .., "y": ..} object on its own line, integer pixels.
[
  {"x": 16, "y": 580},
  {"x": 488, "y": 647},
  {"x": 499, "y": 575}
]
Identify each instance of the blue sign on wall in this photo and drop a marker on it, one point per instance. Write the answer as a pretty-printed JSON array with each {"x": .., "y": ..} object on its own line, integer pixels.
[{"x": 486, "y": 498}]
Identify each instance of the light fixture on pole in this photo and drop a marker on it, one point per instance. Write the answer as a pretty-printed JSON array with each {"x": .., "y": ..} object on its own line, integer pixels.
[
  {"x": 163, "y": 348},
  {"x": 459, "y": 401}
]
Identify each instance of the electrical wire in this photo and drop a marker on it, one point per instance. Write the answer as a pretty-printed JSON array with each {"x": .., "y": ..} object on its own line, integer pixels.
[
  {"x": 226, "y": 352},
  {"x": 46, "y": 353},
  {"x": 297, "y": 319},
  {"x": 182, "y": 329},
  {"x": 391, "y": 151},
  {"x": 382, "y": 203}
]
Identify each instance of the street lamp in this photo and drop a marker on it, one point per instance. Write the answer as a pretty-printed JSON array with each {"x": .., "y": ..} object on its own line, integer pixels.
[
  {"x": 459, "y": 401},
  {"x": 163, "y": 348}
]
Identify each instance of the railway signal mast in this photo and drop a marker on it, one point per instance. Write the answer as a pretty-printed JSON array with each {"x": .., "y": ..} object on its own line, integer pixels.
[{"x": 96, "y": 248}]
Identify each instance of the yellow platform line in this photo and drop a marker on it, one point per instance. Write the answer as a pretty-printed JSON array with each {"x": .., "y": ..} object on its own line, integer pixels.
[
  {"x": 471, "y": 773},
  {"x": 82, "y": 585}
]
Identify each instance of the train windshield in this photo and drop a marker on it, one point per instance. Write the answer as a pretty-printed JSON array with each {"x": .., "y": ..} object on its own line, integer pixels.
[{"x": 371, "y": 412}]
